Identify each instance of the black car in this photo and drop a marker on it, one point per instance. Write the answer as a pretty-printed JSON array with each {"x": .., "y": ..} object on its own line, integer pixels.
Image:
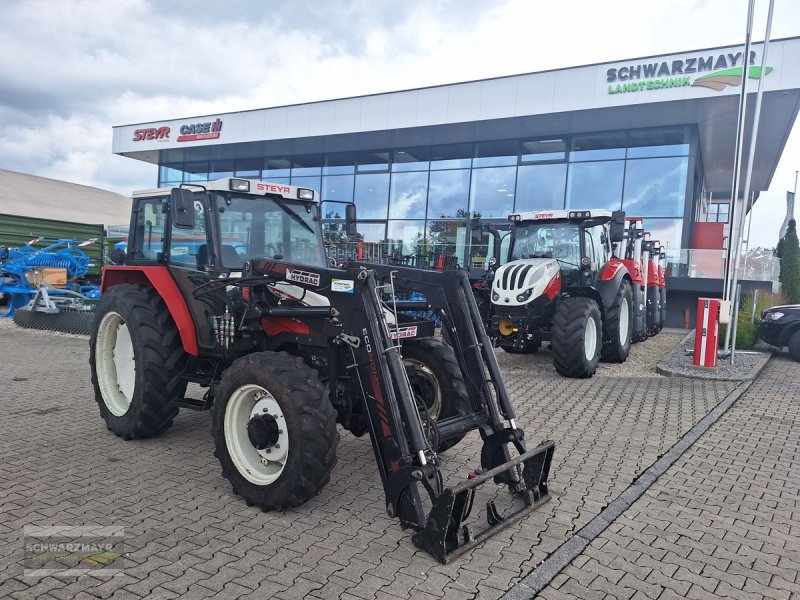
[{"x": 780, "y": 326}]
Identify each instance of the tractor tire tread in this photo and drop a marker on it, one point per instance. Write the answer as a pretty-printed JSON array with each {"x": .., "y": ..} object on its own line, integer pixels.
[
  {"x": 567, "y": 342},
  {"x": 313, "y": 459},
  {"x": 612, "y": 350},
  {"x": 444, "y": 357},
  {"x": 159, "y": 351}
]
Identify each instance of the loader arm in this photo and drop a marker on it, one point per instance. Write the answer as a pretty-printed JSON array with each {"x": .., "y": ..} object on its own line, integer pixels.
[{"x": 408, "y": 464}]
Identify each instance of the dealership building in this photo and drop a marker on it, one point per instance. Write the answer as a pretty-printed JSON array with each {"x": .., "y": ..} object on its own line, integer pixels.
[{"x": 654, "y": 136}]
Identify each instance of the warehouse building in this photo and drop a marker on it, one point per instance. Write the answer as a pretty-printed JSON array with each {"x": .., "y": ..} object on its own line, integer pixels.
[{"x": 653, "y": 136}]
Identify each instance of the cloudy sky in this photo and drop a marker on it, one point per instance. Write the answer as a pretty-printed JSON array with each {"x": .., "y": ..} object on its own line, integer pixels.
[{"x": 72, "y": 69}]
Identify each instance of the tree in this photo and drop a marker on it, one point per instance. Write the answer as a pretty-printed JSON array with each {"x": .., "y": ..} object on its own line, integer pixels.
[{"x": 790, "y": 264}]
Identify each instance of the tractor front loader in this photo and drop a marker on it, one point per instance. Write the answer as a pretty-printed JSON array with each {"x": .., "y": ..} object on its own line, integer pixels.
[{"x": 226, "y": 286}]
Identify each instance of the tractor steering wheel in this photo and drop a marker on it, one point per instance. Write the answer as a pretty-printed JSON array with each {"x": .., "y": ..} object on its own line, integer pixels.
[{"x": 560, "y": 251}]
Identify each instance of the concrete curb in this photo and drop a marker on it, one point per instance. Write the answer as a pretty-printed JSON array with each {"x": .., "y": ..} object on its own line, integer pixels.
[
  {"x": 698, "y": 373},
  {"x": 544, "y": 573}
]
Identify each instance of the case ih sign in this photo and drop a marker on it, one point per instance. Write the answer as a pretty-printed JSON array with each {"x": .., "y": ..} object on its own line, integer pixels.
[{"x": 188, "y": 133}]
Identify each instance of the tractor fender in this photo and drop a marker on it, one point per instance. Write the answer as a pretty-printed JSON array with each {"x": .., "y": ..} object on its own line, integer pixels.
[
  {"x": 161, "y": 280},
  {"x": 608, "y": 283}
]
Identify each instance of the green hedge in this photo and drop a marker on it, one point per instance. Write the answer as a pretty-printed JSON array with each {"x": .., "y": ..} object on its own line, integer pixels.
[{"x": 746, "y": 332}]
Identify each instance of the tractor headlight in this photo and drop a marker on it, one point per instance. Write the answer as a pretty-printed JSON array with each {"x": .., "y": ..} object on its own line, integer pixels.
[
  {"x": 240, "y": 185},
  {"x": 305, "y": 194},
  {"x": 773, "y": 316},
  {"x": 524, "y": 295},
  {"x": 495, "y": 296}
]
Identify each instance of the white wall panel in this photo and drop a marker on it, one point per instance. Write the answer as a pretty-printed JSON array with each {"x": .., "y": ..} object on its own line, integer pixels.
[
  {"x": 432, "y": 105},
  {"x": 403, "y": 109},
  {"x": 347, "y": 115},
  {"x": 297, "y": 118},
  {"x": 498, "y": 98},
  {"x": 463, "y": 102},
  {"x": 374, "y": 112}
]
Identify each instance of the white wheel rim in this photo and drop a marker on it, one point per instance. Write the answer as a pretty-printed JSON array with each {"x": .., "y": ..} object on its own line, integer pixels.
[
  {"x": 424, "y": 372},
  {"x": 624, "y": 322},
  {"x": 590, "y": 339},
  {"x": 116, "y": 364},
  {"x": 260, "y": 467}
]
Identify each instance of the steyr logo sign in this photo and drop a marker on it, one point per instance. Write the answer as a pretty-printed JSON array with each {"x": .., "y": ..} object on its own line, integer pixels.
[
  {"x": 188, "y": 133},
  {"x": 722, "y": 70}
]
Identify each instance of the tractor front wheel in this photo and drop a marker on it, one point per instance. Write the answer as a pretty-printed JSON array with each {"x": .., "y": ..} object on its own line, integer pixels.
[
  {"x": 576, "y": 337},
  {"x": 137, "y": 362},
  {"x": 437, "y": 381},
  {"x": 274, "y": 430}
]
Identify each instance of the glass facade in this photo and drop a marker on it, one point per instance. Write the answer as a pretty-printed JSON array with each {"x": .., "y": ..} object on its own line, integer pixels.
[{"x": 419, "y": 199}]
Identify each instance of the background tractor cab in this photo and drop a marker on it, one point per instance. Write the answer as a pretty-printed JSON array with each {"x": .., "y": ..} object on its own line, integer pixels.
[{"x": 561, "y": 283}]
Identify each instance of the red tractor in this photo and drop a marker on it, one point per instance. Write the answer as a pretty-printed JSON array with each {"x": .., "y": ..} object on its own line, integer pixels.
[
  {"x": 226, "y": 285},
  {"x": 563, "y": 285},
  {"x": 656, "y": 286},
  {"x": 629, "y": 251}
]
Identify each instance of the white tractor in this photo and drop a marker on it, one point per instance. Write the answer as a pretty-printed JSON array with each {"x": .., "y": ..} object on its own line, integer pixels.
[{"x": 563, "y": 285}]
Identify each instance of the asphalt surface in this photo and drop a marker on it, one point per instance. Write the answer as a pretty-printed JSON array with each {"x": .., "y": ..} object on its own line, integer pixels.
[{"x": 187, "y": 535}]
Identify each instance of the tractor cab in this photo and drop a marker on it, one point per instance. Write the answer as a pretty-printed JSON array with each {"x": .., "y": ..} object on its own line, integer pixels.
[
  {"x": 579, "y": 241},
  {"x": 216, "y": 227}
]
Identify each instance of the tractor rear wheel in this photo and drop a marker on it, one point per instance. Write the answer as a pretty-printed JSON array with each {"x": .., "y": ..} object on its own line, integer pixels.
[
  {"x": 617, "y": 325},
  {"x": 274, "y": 430},
  {"x": 437, "y": 381},
  {"x": 576, "y": 337},
  {"x": 137, "y": 362}
]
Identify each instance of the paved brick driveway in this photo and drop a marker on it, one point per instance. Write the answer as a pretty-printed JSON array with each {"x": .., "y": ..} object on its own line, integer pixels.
[
  {"x": 722, "y": 522},
  {"x": 188, "y": 536}
]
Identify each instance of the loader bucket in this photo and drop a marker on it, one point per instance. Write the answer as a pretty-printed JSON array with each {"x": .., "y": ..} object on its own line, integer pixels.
[{"x": 444, "y": 536}]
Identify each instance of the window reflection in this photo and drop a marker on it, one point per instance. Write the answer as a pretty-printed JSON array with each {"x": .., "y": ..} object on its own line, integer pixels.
[
  {"x": 595, "y": 184},
  {"x": 599, "y": 146},
  {"x": 409, "y": 195},
  {"x": 669, "y": 232},
  {"x": 448, "y": 193},
  {"x": 372, "y": 232},
  {"x": 541, "y": 187},
  {"x": 495, "y": 154},
  {"x": 492, "y": 191},
  {"x": 337, "y": 187},
  {"x": 306, "y": 182},
  {"x": 406, "y": 237},
  {"x": 371, "y": 195},
  {"x": 448, "y": 239},
  {"x": 655, "y": 187}
]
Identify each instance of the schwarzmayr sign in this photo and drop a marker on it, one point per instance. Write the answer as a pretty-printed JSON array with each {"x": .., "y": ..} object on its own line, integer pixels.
[{"x": 721, "y": 70}]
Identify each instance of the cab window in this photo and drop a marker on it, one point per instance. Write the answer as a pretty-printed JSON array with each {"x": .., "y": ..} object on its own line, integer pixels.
[
  {"x": 188, "y": 247},
  {"x": 147, "y": 237}
]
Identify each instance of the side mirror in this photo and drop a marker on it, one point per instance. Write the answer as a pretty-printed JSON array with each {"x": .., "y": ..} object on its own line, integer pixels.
[
  {"x": 182, "y": 208},
  {"x": 350, "y": 220},
  {"x": 616, "y": 227}
]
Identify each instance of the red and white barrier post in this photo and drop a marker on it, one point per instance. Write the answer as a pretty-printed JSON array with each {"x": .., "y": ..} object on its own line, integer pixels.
[{"x": 707, "y": 332}]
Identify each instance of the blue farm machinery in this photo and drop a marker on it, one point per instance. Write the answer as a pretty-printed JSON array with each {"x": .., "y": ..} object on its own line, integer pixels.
[{"x": 43, "y": 285}]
